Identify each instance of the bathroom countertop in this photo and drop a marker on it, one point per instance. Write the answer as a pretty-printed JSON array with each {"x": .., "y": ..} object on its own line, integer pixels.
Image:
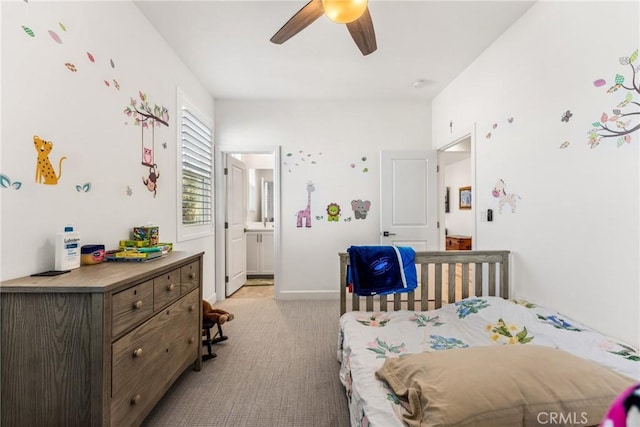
[{"x": 258, "y": 226}]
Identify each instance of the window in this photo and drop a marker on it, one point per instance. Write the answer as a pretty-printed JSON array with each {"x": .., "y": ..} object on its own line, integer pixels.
[{"x": 196, "y": 177}]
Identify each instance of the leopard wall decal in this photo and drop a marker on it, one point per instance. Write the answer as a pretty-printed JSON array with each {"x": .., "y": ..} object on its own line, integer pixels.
[{"x": 45, "y": 174}]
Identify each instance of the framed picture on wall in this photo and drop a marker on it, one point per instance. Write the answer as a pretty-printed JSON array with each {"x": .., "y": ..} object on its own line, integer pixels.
[{"x": 465, "y": 197}]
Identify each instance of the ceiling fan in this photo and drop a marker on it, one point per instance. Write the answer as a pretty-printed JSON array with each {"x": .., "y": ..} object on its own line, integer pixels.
[{"x": 353, "y": 13}]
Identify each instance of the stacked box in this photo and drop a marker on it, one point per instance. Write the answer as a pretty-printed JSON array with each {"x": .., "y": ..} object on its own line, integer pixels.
[
  {"x": 150, "y": 233},
  {"x": 133, "y": 243}
]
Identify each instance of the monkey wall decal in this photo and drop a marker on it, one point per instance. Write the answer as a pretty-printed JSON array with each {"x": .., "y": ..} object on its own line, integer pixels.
[{"x": 152, "y": 182}]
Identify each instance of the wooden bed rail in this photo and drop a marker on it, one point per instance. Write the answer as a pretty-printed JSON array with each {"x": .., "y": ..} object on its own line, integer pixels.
[{"x": 442, "y": 272}]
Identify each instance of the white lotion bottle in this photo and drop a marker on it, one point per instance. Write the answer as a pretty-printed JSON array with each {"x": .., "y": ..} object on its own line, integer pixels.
[{"x": 67, "y": 245}]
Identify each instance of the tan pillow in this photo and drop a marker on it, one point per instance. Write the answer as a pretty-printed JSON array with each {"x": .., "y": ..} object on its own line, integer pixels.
[{"x": 510, "y": 385}]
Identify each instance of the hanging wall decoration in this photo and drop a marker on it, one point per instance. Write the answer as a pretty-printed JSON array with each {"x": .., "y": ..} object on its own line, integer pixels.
[
  {"x": 363, "y": 159},
  {"x": 147, "y": 117},
  {"x": 5, "y": 182},
  {"x": 623, "y": 119},
  {"x": 44, "y": 169},
  {"x": 494, "y": 127},
  {"x": 333, "y": 212},
  {"x": 152, "y": 181},
  {"x": 360, "y": 208},
  {"x": 499, "y": 191},
  {"x": 304, "y": 216},
  {"x": 116, "y": 85},
  {"x": 29, "y": 31},
  {"x": 291, "y": 160},
  {"x": 56, "y": 38},
  {"x": 73, "y": 67}
]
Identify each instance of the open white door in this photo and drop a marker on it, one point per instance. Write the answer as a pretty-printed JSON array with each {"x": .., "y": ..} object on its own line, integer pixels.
[
  {"x": 236, "y": 239},
  {"x": 409, "y": 201}
]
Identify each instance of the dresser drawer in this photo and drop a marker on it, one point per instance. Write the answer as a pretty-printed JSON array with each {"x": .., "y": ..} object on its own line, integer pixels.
[
  {"x": 131, "y": 306},
  {"x": 136, "y": 352},
  {"x": 169, "y": 341},
  {"x": 133, "y": 354},
  {"x": 189, "y": 277},
  {"x": 166, "y": 289},
  {"x": 132, "y": 404}
]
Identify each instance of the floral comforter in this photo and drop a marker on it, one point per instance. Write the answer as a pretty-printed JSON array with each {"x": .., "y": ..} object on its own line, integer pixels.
[{"x": 366, "y": 339}]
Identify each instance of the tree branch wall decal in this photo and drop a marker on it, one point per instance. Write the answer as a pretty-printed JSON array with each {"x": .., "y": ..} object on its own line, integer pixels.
[
  {"x": 147, "y": 117},
  {"x": 624, "y": 118}
]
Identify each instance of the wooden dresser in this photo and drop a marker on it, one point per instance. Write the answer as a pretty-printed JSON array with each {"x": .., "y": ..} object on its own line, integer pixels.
[
  {"x": 458, "y": 243},
  {"x": 100, "y": 345}
]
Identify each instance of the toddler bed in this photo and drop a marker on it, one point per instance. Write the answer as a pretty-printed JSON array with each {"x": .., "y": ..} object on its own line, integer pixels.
[{"x": 480, "y": 359}]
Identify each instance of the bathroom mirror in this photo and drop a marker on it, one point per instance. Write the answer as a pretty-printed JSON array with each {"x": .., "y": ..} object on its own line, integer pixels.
[
  {"x": 267, "y": 200},
  {"x": 260, "y": 195}
]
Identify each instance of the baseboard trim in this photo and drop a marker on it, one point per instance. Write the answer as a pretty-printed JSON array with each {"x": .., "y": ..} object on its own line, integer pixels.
[{"x": 309, "y": 295}]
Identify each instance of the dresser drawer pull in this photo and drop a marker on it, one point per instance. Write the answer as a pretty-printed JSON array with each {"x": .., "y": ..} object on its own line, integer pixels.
[
  {"x": 137, "y": 304},
  {"x": 192, "y": 307},
  {"x": 170, "y": 287},
  {"x": 137, "y": 352},
  {"x": 192, "y": 276},
  {"x": 191, "y": 340},
  {"x": 135, "y": 399}
]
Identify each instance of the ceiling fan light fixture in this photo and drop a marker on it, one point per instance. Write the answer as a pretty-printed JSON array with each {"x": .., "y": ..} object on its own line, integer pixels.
[{"x": 344, "y": 11}]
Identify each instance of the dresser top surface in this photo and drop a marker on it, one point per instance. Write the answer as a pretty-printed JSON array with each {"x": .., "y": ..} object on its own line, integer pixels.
[{"x": 99, "y": 277}]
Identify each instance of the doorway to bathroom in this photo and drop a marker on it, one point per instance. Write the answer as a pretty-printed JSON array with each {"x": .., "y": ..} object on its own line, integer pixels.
[{"x": 249, "y": 211}]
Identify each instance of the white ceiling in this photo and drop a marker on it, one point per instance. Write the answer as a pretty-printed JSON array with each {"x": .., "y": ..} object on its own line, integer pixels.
[{"x": 226, "y": 44}]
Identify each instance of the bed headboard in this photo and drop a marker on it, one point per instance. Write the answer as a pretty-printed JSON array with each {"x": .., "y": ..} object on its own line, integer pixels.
[{"x": 443, "y": 276}]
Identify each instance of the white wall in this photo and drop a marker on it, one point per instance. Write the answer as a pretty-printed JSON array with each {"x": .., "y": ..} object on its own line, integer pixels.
[
  {"x": 320, "y": 141},
  {"x": 574, "y": 234},
  {"x": 84, "y": 119},
  {"x": 458, "y": 221}
]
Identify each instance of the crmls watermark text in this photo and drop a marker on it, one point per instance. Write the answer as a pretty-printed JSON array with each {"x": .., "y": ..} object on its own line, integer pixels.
[{"x": 562, "y": 418}]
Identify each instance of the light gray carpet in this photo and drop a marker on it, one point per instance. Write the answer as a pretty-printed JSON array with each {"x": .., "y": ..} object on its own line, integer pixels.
[{"x": 278, "y": 369}]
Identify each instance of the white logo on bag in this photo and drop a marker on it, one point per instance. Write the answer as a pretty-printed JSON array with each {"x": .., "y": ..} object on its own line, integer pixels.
[{"x": 561, "y": 418}]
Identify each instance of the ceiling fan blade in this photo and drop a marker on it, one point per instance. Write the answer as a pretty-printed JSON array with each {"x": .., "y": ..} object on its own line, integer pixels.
[
  {"x": 298, "y": 22},
  {"x": 363, "y": 34}
]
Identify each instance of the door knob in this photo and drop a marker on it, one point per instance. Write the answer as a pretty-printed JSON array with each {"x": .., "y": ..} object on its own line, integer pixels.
[{"x": 387, "y": 234}]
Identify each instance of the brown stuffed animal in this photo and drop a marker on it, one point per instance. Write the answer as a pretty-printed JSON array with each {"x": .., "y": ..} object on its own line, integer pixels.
[{"x": 215, "y": 315}]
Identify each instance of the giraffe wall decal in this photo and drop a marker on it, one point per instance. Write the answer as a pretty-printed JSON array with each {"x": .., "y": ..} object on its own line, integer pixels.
[{"x": 305, "y": 214}]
